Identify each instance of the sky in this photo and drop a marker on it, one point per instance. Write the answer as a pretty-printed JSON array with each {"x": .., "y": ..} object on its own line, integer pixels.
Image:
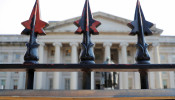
[{"x": 13, "y": 12}]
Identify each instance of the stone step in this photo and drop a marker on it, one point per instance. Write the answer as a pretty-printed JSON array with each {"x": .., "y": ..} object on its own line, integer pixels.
[{"x": 87, "y": 94}]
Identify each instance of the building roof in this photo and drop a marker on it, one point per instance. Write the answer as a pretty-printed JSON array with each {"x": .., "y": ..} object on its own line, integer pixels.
[{"x": 54, "y": 25}]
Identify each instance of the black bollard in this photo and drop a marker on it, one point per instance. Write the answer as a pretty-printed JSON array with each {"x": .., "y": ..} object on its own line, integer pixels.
[
  {"x": 29, "y": 79},
  {"x": 144, "y": 79},
  {"x": 33, "y": 27},
  {"x": 141, "y": 27},
  {"x": 87, "y": 25}
]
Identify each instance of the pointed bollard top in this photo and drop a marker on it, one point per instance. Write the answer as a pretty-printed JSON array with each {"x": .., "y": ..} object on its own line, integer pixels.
[
  {"x": 141, "y": 27},
  {"x": 139, "y": 22},
  {"x": 34, "y": 21},
  {"x": 87, "y": 23},
  {"x": 33, "y": 27}
]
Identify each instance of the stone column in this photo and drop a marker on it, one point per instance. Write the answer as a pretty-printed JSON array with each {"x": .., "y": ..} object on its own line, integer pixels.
[
  {"x": 8, "y": 80},
  {"x": 171, "y": 79},
  {"x": 136, "y": 75},
  {"x": 107, "y": 46},
  {"x": 74, "y": 60},
  {"x": 9, "y": 74},
  {"x": 21, "y": 82},
  {"x": 136, "y": 80},
  {"x": 158, "y": 75},
  {"x": 171, "y": 73},
  {"x": 124, "y": 77},
  {"x": 92, "y": 80},
  {"x": 120, "y": 73},
  {"x": 93, "y": 77},
  {"x": 57, "y": 75},
  {"x": 151, "y": 74},
  {"x": 41, "y": 76}
]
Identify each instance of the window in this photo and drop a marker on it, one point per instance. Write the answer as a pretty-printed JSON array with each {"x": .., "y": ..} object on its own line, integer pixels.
[
  {"x": 67, "y": 84},
  {"x": 165, "y": 84},
  {"x": 68, "y": 52},
  {"x": 97, "y": 84},
  {"x": 130, "y": 83},
  {"x": 51, "y": 83},
  {"x": 164, "y": 73},
  {"x": 52, "y": 53},
  {"x": 3, "y": 73},
  {"x": 162, "y": 57},
  {"x": 98, "y": 54},
  {"x": 15, "y": 84},
  {"x": 3, "y": 84},
  {"x": 173, "y": 58},
  {"x": 16, "y": 57},
  {"x": 4, "y": 57},
  {"x": 128, "y": 53}
]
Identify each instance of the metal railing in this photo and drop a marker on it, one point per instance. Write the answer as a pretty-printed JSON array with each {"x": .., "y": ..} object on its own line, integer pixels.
[{"x": 30, "y": 69}]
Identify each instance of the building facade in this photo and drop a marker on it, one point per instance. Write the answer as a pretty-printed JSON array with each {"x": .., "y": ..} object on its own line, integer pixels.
[{"x": 61, "y": 45}]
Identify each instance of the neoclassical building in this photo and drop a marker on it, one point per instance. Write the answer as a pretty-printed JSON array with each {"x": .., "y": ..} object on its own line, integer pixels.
[{"x": 61, "y": 45}]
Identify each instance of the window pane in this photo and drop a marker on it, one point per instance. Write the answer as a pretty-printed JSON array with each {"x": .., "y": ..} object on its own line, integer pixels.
[
  {"x": 15, "y": 84},
  {"x": 162, "y": 57},
  {"x": 68, "y": 52},
  {"x": 4, "y": 57},
  {"x": 165, "y": 84},
  {"x": 51, "y": 83},
  {"x": 2, "y": 82},
  {"x": 67, "y": 84},
  {"x": 130, "y": 83},
  {"x": 173, "y": 58},
  {"x": 16, "y": 57}
]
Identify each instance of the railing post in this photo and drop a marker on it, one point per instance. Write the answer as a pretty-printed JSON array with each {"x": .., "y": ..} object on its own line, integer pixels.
[
  {"x": 87, "y": 25},
  {"x": 33, "y": 27},
  {"x": 141, "y": 27},
  {"x": 86, "y": 79},
  {"x": 144, "y": 79},
  {"x": 29, "y": 79}
]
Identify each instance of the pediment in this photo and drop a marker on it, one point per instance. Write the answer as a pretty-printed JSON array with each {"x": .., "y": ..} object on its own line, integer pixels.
[{"x": 109, "y": 22}]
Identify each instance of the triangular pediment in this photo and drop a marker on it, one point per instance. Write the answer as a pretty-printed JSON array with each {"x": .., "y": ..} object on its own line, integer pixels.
[{"x": 109, "y": 22}]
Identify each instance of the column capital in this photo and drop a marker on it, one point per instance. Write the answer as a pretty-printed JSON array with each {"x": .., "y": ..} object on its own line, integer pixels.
[
  {"x": 57, "y": 44},
  {"x": 41, "y": 43},
  {"x": 74, "y": 44},
  {"x": 107, "y": 44},
  {"x": 155, "y": 44},
  {"x": 124, "y": 44}
]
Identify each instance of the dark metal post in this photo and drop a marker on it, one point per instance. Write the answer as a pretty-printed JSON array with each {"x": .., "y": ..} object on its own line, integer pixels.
[
  {"x": 33, "y": 27},
  {"x": 141, "y": 27},
  {"x": 86, "y": 79},
  {"x": 144, "y": 79},
  {"x": 29, "y": 79},
  {"x": 87, "y": 25}
]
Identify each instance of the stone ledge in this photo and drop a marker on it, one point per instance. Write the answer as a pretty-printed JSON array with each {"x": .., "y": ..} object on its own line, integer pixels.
[{"x": 157, "y": 93}]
